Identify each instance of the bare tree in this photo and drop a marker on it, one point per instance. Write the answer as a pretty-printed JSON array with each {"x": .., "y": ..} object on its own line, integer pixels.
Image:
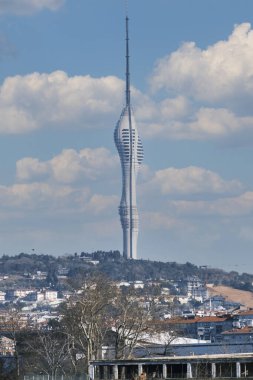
[
  {"x": 131, "y": 321},
  {"x": 167, "y": 338},
  {"x": 49, "y": 352},
  {"x": 87, "y": 316}
]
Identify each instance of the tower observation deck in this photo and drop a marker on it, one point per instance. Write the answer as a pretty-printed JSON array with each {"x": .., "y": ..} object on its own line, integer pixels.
[{"x": 130, "y": 150}]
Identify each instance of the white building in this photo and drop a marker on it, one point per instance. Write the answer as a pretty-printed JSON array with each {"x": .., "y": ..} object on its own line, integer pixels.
[
  {"x": 50, "y": 295},
  {"x": 7, "y": 346},
  {"x": 2, "y": 296}
]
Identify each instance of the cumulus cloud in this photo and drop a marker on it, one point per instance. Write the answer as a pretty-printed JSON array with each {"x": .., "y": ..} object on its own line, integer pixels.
[
  {"x": 36, "y": 101},
  {"x": 209, "y": 91},
  {"x": 205, "y": 123},
  {"x": 29, "y": 168},
  {"x": 46, "y": 199},
  {"x": 41, "y": 100},
  {"x": 213, "y": 123},
  {"x": 99, "y": 203},
  {"x": 29, "y": 6},
  {"x": 36, "y": 195},
  {"x": 47, "y": 194},
  {"x": 69, "y": 166},
  {"x": 192, "y": 180},
  {"x": 210, "y": 95},
  {"x": 63, "y": 184},
  {"x": 228, "y": 206},
  {"x": 222, "y": 71}
]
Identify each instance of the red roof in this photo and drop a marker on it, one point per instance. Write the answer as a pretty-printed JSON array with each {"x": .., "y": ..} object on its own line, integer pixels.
[
  {"x": 246, "y": 312},
  {"x": 212, "y": 319},
  {"x": 244, "y": 330},
  {"x": 181, "y": 320}
]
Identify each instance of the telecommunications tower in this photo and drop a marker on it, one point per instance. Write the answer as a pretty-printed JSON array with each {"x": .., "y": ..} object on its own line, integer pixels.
[{"x": 130, "y": 151}]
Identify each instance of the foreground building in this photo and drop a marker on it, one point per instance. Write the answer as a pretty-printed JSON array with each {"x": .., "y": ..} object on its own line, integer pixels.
[
  {"x": 130, "y": 151},
  {"x": 219, "y": 366}
]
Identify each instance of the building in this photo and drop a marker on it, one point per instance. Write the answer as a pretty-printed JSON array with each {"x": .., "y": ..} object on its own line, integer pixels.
[
  {"x": 50, "y": 295},
  {"x": 130, "y": 150},
  {"x": 7, "y": 346},
  {"x": 196, "y": 289},
  {"x": 208, "y": 328},
  {"x": 20, "y": 293},
  {"x": 43, "y": 295},
  {"x": 219, "y": 302},
  {"x": 2, "y": 296},
  {"x": 211, "y": 328},
  {"x": 241, "y": 335},
  {"x": 245, "y": 318},
  {"x": 219, "y": 366}
]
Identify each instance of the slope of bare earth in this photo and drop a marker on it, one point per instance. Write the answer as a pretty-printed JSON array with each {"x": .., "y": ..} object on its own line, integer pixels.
[{"x": 231, "y": 294}]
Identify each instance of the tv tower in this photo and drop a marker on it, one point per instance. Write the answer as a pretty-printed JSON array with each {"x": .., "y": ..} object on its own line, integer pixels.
[{"x": 130, "y": 150}]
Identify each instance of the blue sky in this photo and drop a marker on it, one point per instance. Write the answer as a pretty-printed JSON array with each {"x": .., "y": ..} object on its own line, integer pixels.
[{"x": 62, "y": 90}]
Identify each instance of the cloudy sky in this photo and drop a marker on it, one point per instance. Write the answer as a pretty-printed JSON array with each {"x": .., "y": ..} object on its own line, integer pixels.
[{"x": 62, "y": 90}]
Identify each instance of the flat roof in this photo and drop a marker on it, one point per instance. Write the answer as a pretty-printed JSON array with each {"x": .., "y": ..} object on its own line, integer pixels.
[{"x": 240, "y": 357}]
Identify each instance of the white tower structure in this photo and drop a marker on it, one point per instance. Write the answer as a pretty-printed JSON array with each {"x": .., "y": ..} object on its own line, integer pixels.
[{"x": 130, "y": 150}]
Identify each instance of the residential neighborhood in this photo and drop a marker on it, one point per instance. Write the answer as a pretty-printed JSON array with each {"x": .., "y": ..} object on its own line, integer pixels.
[{"x": 184, "y": 316}]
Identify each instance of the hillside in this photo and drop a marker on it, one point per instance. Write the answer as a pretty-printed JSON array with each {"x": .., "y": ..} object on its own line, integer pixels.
[
  {"x": 231, "y": 294},
  {"x": 114, "y": 266}
]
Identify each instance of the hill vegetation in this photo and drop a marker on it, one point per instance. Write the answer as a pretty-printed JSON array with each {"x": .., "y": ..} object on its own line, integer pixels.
[{"x": 114, "y": 266}]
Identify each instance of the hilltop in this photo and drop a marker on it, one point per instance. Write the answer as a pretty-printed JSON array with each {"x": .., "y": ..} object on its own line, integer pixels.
[{"x": 114, "y": 266}]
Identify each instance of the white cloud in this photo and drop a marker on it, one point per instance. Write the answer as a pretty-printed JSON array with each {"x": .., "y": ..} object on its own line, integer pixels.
[
  {"x": 16, "y": 120},
  {"x": 191, "y": 180},
  {"x": 228, "y": 206},
  {"x": 69, "y": 166},
  {"x": 206, "y": 123},
  {"x": 41, "y": 100},
  {"x": 41, "y": 198},
  {"x": 36, "y": 196},
  {"x": 99, "y": 203},
  {"x": 175, "y": 108},
  {"x": 221, "y": 72},
  {"x": 38, "y": 101},
  {"x": 29, "y": 168},
  {"x": 160, "y": 118},
  {"x": 214, "y": 123},
  {"x": 210, "y": 91},
  {"x": 29, "y": 6}
]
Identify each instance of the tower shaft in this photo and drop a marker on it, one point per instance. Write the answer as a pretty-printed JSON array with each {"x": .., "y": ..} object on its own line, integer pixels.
[{"x": 130, "y": 151}]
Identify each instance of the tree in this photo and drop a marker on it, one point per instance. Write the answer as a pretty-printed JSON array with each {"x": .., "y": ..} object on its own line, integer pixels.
[
  {"x": 48, "y": 352},
  {"x": 87, "y": 317},
  {"x": 166, "y": 333},
  {"x": 52, "y": 279},
  {"x": 131, "y": 321}
]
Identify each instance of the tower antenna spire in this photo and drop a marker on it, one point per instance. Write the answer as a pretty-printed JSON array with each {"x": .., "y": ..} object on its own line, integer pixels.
[
  {"x": 127, "y": 62},
  {"x": 126, "y": 7}
]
